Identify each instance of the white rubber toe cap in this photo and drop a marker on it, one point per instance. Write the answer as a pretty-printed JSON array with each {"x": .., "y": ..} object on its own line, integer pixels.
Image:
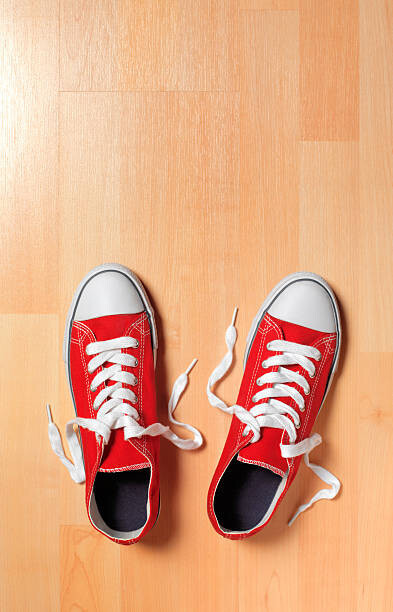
[
  {"x": 108, "y": 293},
  {"x": 307, "y": 303}
]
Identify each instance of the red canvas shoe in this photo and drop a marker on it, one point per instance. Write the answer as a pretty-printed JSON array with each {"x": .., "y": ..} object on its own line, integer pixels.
[
  {"x": 110, "y": 348},
  {"x": 291, "y": 355}
]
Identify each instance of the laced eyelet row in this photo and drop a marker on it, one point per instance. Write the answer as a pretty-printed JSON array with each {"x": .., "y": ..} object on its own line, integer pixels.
[
  {"x": 306, "y": 392},
  {"x": 258, "y": 417},
  {"x": 136, "y": 363}
]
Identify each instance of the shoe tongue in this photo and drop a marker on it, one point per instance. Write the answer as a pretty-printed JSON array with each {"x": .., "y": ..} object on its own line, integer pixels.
[
  {"x": 266, "y": 452},
  {"x": 119, "y": 454},
  {"x": 112, "y": 326}
]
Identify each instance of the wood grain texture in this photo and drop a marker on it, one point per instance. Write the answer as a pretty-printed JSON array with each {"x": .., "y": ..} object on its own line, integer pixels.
[
  {"x": 28, "y": 161},
  {"x": 376, "y": 430},
  {"x": 329, "y": 201},
  {"x": 269, "y": 158},
  {"x": 29, "y": 504},
  {"x": 376, "y": 176},
  {"x": 329, "y": 69},
  {"x": 213, "y": 147},
  {"x": 180, "y": 45},
  {"x": 269, "y": 5},
  {"x": 90, "y": 570}
]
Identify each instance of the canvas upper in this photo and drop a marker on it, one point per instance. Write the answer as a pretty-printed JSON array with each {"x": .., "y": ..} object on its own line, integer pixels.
[
  {"x": 252, "y": 478},
  {"x": 122, "y": 477},
  {"x": 109, "y": 350}
]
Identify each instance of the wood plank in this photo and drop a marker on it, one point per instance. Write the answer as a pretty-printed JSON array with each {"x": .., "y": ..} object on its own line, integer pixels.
[
  {"x": 376, "y": 175},
  {"x": 29, "y": 526},
  {"x": 269, "y": 5},
  {"x": 90, "y": 570},
  {"x": 269, "y": 183},
  {"x": 113, "y": 45},
  {"x": 375, "y": 533},
  {"x": 329, "y": 196},
  {"x": 269, "y": 166},
  {"x": 329, "y": 70},
  {"x": 28, "y": 159}
]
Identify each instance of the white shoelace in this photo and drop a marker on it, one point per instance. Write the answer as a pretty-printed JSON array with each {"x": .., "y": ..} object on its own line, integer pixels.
[
  {"x": 273, "y": 412},
  {"x": 112, "y": 411}
]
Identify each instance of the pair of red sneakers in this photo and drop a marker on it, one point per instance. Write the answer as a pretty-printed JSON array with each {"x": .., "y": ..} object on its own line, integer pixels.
[{"x": 110, "y": 348}]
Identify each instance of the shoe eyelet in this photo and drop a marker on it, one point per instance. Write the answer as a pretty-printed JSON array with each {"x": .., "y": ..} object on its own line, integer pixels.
[
  {"x": 307, "y": 392},
  {"x": 136, "y": 382},
  {"x": 302, "y": 409},
  {"x": 136, "y": 343},
  {"x": 312, "y": 375},
  {"x": 298, "y": 426},
  {"x": 136, "y": 363},
  {"x": 264, "y": 365},
  {"x": 268, "y": 346}
]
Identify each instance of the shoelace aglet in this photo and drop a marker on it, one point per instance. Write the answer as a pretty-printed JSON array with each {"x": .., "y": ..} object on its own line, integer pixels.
[
  {"x": 49, "y": 413},
  {"x": 193, "y": 362},
  {"x": 234, "y": 315}
]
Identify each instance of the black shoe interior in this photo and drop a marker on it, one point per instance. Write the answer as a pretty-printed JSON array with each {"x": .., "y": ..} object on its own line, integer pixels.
[
  {"x": 244, "y": 495},
  {"x": 121, "y": 498}
]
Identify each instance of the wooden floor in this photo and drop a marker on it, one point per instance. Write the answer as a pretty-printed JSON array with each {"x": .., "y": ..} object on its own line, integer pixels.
[{"x": 213, "y": 146}]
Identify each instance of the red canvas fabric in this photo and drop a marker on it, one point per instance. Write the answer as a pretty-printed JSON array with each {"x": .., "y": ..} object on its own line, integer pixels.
[
  {"x": 118, "y": 454},
  {"x": 266, "y": 452}
]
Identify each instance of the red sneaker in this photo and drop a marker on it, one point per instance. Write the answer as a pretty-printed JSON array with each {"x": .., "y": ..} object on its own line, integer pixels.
[
  {"x": 109, "y": 349},
  {"x": 291, "y": 355}
]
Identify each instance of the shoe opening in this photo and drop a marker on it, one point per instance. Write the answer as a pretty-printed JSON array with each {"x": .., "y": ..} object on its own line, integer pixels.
[
  {"x": 245, "y": 496},
  {"x": 119, "y": 504}
]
